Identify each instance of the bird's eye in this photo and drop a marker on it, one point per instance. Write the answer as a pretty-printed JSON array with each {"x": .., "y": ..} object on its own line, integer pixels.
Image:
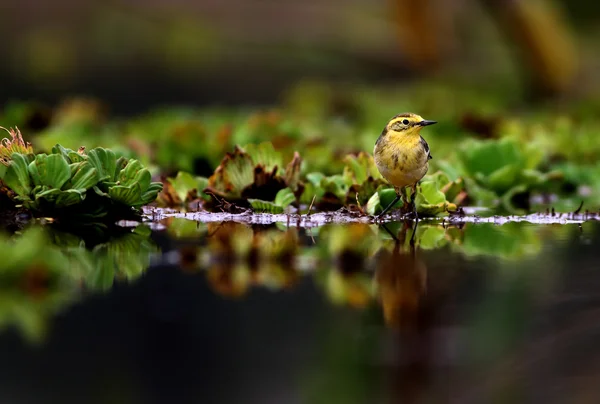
[{"x": 405, "y": 121}]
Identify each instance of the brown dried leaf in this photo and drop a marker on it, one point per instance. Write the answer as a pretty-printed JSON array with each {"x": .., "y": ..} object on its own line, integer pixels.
[
  {"x": 292, "y": 172},
  {"x": 15, "y": 144},
  {"x": 233, "y": 175}
]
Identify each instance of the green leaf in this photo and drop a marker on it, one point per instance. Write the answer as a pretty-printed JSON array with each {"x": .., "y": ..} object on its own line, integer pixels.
[
  {"x": 386, "y": 196},
  {"x": 440, "y": 177},
  {"x": 374, "y": 205},
  {"x": 311, "y": 191},
  {"x": 58, "y": 149},
  {"x": 481, "y": 196},
  {"x": 52, "y": 170},
  {"x": 17, "y": 176},
  {"x": 143, "y": 177},
  {"x": 76, "y": 157},
  {"x": 449, "y": 169},
  {"x": 120, "y": 164},
  {"x": 240, "y": 174},
  {"x": 359, "y": 168},
  {"x": 133, "y": 187},
  {"x": 487, "y": 156},
  {"x": 127, "y": 195},
  {"x": 100, "y": 192},
  {"x": 337, "y": 185},
  {"x": 150, "y": 194},
  {"x": 83, "y": 176},
  {"x": 284, "y": 198},
  {"x": 70, "y": 155},
  {"x": 533, "y": 155},
  {"x": 61, "y": 199},
  {"x": 134, "y": 173},
  {"x": 265, "y": 155},
  {"x": 183, "y": 183},
  {"x": 105, "y": 163},
  {"x": 69, "y": 197},
  {"x": 430, "y": 192},
  {"x": 533, "y": 177},
  {"x": 315, "y": 178},
  {"x": 503, "y": 178},
  {"x": 363, "y": 192},
  {"x": 259, "y": 205},
  {"x": 42, "y": 192},
  {"x": 202, "y": 184},
  {"x": 431, "y": 201},
  {"x": 427, "y": 209},
  {"x": 453, "y": 189}
]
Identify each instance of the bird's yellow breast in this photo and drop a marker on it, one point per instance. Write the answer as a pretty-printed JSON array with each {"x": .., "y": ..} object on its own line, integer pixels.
[{"x": 401, "y": 158}]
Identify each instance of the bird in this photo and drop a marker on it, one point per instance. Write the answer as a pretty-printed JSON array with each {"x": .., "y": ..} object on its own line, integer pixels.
[{"x": 402, "y": 156}]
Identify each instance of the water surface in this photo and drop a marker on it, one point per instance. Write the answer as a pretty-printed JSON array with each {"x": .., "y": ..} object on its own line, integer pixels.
[{"x": 229, "y": 313}]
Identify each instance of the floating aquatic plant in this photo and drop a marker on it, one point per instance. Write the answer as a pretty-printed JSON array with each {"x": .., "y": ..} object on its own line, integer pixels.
[
  {"x": 325, "y": 123},
  {"x": 358, "y": 182},
  {"x": 496, "y": 171},
  {"x": 254, "y": 172},
  {"x": 183, "y": 189},
  {"x": 123, "y": 180},
  {"x": 50, "y": 183}
]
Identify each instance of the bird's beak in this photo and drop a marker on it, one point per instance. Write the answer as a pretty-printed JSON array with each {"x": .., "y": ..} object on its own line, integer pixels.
[{"x": 426, "y": 122}]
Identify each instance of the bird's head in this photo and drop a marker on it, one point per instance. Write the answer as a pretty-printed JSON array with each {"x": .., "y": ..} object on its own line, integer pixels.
[{"x": 407, "y": 124}]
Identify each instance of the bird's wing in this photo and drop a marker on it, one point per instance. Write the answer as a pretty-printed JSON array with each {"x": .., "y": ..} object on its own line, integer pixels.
[{"x": 426, "y": 147}]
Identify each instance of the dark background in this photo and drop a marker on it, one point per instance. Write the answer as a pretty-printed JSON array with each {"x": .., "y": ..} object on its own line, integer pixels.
[{"x": 137, "y": 54}]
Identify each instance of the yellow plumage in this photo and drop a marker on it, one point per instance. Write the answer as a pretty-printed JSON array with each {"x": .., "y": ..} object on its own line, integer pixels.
[
  {"x": 401, "y": 159},
  {"x": 401, "y": 154}
]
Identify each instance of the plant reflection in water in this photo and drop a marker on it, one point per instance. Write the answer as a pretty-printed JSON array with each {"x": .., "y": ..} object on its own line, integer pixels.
[
  {"x": 240, "y": 257},
  {"x": 46, "y": 270},
  {"x": 355, "y": 265}
]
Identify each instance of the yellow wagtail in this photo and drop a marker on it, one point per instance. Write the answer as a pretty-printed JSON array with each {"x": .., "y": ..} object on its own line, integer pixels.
[{"x": 402, "y": 156}]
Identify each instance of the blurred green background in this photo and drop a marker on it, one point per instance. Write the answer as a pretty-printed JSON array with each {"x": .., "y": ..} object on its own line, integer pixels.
[{"x": 134, "y": 54}]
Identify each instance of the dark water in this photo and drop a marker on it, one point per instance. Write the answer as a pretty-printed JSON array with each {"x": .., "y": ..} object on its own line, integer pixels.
[{"x": 229, "y": 313}]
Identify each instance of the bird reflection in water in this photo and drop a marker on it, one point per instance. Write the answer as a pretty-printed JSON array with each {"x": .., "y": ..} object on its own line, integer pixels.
[{"x": 401, "y": 279}]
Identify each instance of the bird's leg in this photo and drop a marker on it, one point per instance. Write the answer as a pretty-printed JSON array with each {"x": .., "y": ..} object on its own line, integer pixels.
[
  {"x": 406, "y": 201},
  {"x": 412, "y": 237},
  {"x": 413, "y": 196},
  {"x": 396, "y": 199},
  {"x": 391, "y": 234}
]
